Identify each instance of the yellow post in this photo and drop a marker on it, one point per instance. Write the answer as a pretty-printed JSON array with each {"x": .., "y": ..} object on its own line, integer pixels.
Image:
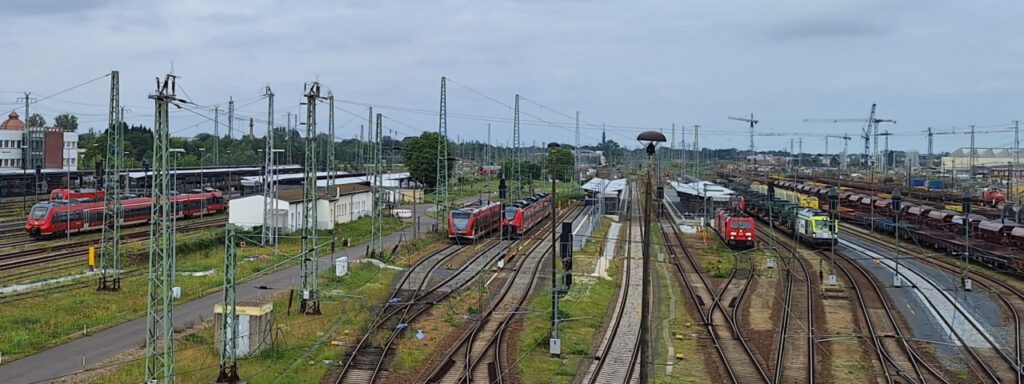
[{"x": 92, "y": 258}]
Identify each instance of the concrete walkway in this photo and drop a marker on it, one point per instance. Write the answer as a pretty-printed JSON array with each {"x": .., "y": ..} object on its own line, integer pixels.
[
  {"x": 67, "y": 358},
  {"x": 601, "y": 269}
]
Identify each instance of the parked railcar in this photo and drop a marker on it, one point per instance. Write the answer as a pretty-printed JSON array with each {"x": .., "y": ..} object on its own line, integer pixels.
[
  {"x": 61, "y": 217},
  {"x": 523, "y": 215},
  {"x": 474, "y": 221}
]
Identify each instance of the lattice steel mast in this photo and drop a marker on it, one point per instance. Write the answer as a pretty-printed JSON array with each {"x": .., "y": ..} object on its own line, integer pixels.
[
  {"x": 332, "y": 173},
  {"x": 309, "y": 268},
  {"x": 267, "y": 235},
  {"x": 110, "y": 243},
  {"x": 377, "y": 185},
  {"x": 442, "y": 161},
  {"x": 517, "y": 152},
  {"x": 229, "y": 320},
  {"x": 159, "y": 323}
]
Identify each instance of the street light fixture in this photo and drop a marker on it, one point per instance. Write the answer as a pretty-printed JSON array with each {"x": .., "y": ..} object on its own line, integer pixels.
[
  {"x": 897, "y": 200},
  {"x": 651, "y": 139}
]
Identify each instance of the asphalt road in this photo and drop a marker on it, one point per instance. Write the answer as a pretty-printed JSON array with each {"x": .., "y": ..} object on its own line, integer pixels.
[{"x": 66, "y": 359}]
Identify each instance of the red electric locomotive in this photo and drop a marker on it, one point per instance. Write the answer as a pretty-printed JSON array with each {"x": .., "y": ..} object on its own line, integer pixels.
[
  {"x": 76, "y": 194},
  {"x": 48, "y": 219},
  {"x": 736, "y": 230},
  {"x": 474, "y": 221},
  {"x": 522, "y": 215}
]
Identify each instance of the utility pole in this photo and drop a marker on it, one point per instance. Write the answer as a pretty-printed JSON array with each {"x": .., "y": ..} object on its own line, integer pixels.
[
  {"x": 1016, "y": 156},
  {"x": 159, "y": 320},
  {"x": 231, "y": 118},
  {"x": 309, "y": 268},
  {"x": 377, "y": 231},
  {"x": 682, "y": 146},
  {"x": 517, "y": 172},
  {"x": 487, "y": 149},
  {"x": 216, "y": 135},
  {"x": 800, "y": 153},
  {"x": 442, "y": 159},
  {"x": 885, "y": 162},
  {"x": 970, "y": 170},
  {"x": 369, "y": 135},
  {"x": 29, "y": 153},
  {"x": 268, "y": 174},
  {"x": 696, "y": 149},
  {"x": 576, "y": 160},
  {"x": 229, "y": 319},
  {"x": 110, "y": 243},
  {"x": 288, "y": 139},
  {"x": 931, "y": 160}
]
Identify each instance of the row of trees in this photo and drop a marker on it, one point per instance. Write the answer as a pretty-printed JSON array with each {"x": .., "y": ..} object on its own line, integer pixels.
[{"x": 65, "y": 121}]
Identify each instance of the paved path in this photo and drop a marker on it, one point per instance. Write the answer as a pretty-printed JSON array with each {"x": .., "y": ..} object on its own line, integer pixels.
[{"x": 67, "y": 358}]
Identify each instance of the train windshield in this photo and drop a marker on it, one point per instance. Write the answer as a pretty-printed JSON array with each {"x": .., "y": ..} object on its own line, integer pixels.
[
  {"x": 39, "y": 212},
  {"x": 460, "y": 220},
  {"x": 741, "y": 224},
  {"x": 510, "y": 213},
  {"x": 821, "y": 225}
]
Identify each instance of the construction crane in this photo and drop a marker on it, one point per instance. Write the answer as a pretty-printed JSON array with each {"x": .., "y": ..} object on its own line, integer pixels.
[
  {"x": 752, "y": 123},
  {"x": 870, "y": 129},
  {"x": 885, "y": 163},
  {"x": 953, "y": 131}
]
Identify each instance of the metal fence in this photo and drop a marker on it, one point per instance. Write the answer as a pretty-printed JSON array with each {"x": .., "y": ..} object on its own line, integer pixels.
[{"x": 583, "y": 232}]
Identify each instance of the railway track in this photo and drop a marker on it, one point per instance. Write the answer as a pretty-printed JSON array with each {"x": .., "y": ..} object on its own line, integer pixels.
[
  {"x": 418, "y": 292},
  {"x": 618, "y": 357},
  {"x": 30, "y": 257},
  {"x": 991, "y": 361},
  {"x": 477, "y": 355},
  {"x": 795, "y": 357},
  {"x": 717, "y": 309}
]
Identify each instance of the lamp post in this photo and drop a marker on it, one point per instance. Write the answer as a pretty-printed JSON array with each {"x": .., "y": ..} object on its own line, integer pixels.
[
  {"x": 202, "y": 156},
  {"x": 966, "y": 207},
  {"x": 555, "y": 345},
  {"x": 833, "y": 207},
  {"x": 652, "y": 139},
  {"x": 897, "y": 200}
]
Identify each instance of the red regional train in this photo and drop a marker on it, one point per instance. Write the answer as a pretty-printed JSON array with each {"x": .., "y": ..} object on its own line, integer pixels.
[
  {"x": 736, "y": 230},
  {"x": 49, "y": 219},
  {"x": 522, "y": 215},
  {"x": 474, "y": 221},
  {"x": 88, "y": 194}
]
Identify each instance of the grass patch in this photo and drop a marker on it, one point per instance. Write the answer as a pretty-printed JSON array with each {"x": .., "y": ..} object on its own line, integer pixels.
[
  {"x": 671, "y": 319},
  {"x": 298, "y": 354},
  {"x": 34, "y": 324},
  {"x": 587, "y": 303}
]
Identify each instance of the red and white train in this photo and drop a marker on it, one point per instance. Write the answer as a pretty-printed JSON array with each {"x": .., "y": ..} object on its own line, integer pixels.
[
  {"x": 736, "y": 230},
  {"x": 60, "y": 217},
  {"x": 522, "y": 215},
  {"x": 474, "y": 221}
]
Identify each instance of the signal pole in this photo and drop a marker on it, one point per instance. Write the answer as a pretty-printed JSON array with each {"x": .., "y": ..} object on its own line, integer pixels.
[
  {"x": 110, "y": 243},
  {"x": 159, "y": 322},
  {"x": 229, "y": 322},
  {"x": 231, "y": 117},
  {"x": 309, "y": 268},
  {"x": 268, "y": 152},
  {"x": 441, "y": 200}
]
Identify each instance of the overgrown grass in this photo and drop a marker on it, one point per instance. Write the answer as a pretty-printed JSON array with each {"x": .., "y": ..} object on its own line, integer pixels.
[
  {"x": 31, "y": 325},
  {"x": 674, "y": 316},
  {"x": 298, "y": 355},
  {"x": 586, "y": 304}
]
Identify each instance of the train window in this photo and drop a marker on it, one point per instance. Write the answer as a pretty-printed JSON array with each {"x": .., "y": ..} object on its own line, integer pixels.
[
  {"x": 39, "y": 212},
  {"x": 510, "y": 212},
  {"x": 460, "y": 219},
  {"x": 821, "y": 225},
  {"x": 740, "y": 224}
]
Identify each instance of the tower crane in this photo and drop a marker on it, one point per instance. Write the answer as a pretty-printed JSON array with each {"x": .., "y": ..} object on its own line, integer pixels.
[
  {"x": 752, "y": 123},
  {"x": 870, "y": 129},
  {"x": 846, "y": 140}
]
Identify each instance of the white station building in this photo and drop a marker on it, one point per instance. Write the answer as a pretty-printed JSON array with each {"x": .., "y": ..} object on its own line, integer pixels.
[{"x": 343, "y": 203}]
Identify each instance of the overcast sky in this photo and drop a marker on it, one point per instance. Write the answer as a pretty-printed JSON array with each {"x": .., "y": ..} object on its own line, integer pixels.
[{"x": 630, "y": 65}]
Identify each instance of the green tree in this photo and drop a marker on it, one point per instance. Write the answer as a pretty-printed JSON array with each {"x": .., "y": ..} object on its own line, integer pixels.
[
  {"x": 36, "y": 120},
  {"x": 67, "y": 122},
  {"x": 421, "y": 154},
  {"x": 561, "y": 162}
]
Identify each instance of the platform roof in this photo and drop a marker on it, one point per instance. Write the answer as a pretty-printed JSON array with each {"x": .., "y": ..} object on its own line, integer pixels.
[
  {"x": 606, "y": 186},
  {"x": 697, "y": 188}
]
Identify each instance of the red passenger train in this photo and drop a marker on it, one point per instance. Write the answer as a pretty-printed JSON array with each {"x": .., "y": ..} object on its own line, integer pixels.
[
  {"x": 474, "y": 221},
  {"x": 522, "y": 215},
  {"x": 48, "y": 219},
  {"x": 736, "y": 230}
]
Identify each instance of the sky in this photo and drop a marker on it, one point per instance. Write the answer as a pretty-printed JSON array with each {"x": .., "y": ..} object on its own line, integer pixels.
[{"x": 626, "y": 66}]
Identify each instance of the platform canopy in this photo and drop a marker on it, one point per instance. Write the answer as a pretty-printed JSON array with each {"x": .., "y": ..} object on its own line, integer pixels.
[
  {"x": 698, "y": 189},
  {"x": 604, "y": 186}
]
